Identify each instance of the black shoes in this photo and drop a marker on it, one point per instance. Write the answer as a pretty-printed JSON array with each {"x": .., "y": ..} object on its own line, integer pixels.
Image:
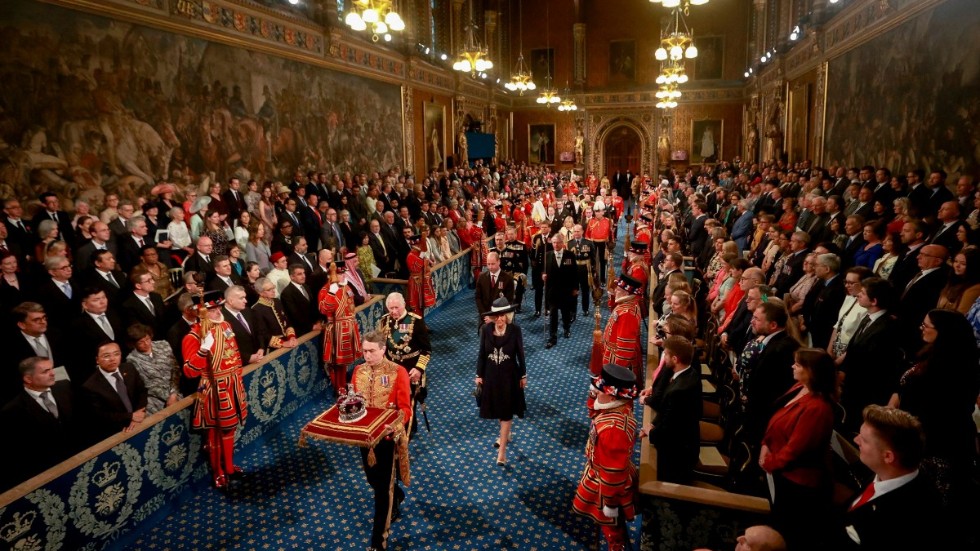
[
  {"x": 550, "y": 344},
  {"x": 536, "y": 315},
  {"x": 568, "y": 334}
]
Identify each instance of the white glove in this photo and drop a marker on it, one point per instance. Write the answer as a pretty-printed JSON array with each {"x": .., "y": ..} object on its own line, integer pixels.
[
  {"x": 208, "y": 343},
  {"x": 424, "y": 255},
  {"x": 333, "y": 288},
  {"x": 610, "y": 512}
]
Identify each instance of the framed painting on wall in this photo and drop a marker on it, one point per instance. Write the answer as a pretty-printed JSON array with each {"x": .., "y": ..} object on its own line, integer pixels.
[
  {"x": 709, "y": 64},
  {"x": 435, "y": 136},
  {"x": 541, "y": 144},
  {"x": 622, "y": 60},
  {"x": 799, "y": 122},
  {"x": 706, "y": 140},
  {"x": 542, "y": 65}
]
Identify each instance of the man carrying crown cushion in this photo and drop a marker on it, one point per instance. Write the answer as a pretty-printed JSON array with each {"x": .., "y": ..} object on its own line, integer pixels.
[
  {"x": 211, "y": 353},
  {"x": 384, "y": 384}
]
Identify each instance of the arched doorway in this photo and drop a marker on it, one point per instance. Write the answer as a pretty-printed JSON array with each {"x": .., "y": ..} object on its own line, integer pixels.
[{"x": 622, "y": 150}]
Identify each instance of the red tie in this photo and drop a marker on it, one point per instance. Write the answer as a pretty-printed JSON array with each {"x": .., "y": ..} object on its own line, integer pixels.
[
  {"x": 493, "y": 280},
  {"x": 866, "y": 496}
]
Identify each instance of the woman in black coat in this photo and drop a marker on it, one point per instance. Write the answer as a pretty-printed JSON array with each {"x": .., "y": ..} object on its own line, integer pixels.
[{"x": 500, "y": 372}]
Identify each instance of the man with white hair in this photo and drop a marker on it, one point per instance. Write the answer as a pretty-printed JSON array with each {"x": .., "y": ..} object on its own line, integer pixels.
[{"x": 407, "y": 345}]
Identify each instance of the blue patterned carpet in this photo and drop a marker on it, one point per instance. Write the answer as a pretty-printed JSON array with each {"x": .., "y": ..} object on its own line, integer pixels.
[{"x": 317, "y": 497}]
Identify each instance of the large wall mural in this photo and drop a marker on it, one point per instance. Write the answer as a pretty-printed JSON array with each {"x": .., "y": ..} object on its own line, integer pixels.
[
  {"x": 911, "y": 97},
  {"x": 90, "y": 105}
]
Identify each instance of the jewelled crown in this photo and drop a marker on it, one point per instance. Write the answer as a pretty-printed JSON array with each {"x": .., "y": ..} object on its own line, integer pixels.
[{"x": 351, "y": 405}]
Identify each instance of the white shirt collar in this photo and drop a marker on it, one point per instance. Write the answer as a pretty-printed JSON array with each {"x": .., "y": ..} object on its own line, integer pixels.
[
  {"x": 873, "y": 316},
  {"x": 769, "y": 337},
  {"x": 111, "y": 377},
  {"x": 678, "y": 373},
  {"x": 882, "y": 487}
]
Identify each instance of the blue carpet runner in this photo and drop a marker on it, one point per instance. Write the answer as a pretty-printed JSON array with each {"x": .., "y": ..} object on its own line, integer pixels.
[{"x": 317, "y": 497}]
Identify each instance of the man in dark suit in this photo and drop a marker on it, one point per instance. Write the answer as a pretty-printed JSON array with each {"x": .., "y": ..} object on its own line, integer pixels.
[
  {"x": 59, "y": 293},
  {"x": 19, "y": 230},
  {"x": 200, "y": 260},
  {"x": 105, "y": 276},
  {"x": 793, "y": 268},
  {"x": 144, "y": 305},
  {"x": 131, "y": 246},
  {"x": 331, "y": 234},
  {"x": 52, "y": 211},
  {"x": 223, "y": 276},
  {"x": 676, "y": 399},
  {"x": 39, "y": 422},
  {"x": 921, "y": 294},
  {"x": 871, "y": 364},
  {"x": 561, "y": 283},
  {"x": 300, "y": 256},
  {"x": 96, "y": 324},
  {"x": 948, "y": 220},
  {"x": 34, "y": 338},
  {"x": 242, "y": 320},
  {"x": 492, "y": 284},
  {"x": 853, "y": 227},
  {"x": 299, "y": 302},
  {"x": 698, "y": 236},
  {"x": 913, "y": 238},
  {"x": 822, "y": 304},
  {"x": 234, "y": 200},
  {"x": 771, "y": 372},
  {"x": 900, "y": 508},
  {"x": 938, "y": 193},
  {"x": 672, "y": 263},
  {"x": 383, "y": 251},
  {"x": 124, "y": 213},
  {"x": 102, "y": 239},
  {"x": 113, "y": 398}
]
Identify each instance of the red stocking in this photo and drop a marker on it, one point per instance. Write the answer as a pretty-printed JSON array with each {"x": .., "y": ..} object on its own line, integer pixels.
[
  {"x": 228, "y": 450},
  {"x": 214, "y": 452},
  {"x": 615, "y": 535}
]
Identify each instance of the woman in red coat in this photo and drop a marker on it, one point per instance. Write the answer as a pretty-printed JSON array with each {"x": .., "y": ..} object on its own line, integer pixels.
[{"x": 796, "y": 450}]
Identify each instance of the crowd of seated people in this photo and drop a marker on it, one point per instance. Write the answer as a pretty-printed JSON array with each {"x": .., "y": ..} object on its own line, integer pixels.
[{"x": 825, "y": 291}]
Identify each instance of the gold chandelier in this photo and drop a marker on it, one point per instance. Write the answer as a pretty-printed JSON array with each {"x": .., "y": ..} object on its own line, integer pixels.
[
  {"x": 379, "y": 14},
  {"x": 521, "y": 81},
  {"x": 567, "y": 104},
  {"x": 472, "y": 58},
  {"x": 548, "y": 95},
  {"x": 675, "y": 3},
  {"x": 676, "y": 44},
  {"x": 667, "y": 96},
  {"x": 672, "y": 73}
]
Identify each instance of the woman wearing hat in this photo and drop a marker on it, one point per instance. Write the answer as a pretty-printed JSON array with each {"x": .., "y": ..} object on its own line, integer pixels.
[{"x": 501, "y": 372}]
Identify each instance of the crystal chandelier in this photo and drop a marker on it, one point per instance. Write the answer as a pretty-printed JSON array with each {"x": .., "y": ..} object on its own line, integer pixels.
[
  {"x": 567, "y": 104},
  {"x": 521, "y": 81},
  {"x": 676, "y": 44},
  {"x": 667, "y": 96},
  {"x": 472, "y": 58},
  {"x": 379, "y": 14}
]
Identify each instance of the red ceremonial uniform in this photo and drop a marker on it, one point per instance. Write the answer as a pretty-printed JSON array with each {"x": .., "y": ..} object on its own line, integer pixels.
[
  {"x": 421, "y": 293},
  {"x": 645, "y": 235},
  {"x": 621, "y": 338},
  {"x": 599, "y": 229},
  {"x": 619, "y": 206},
  {"x": 386, "y": 385},
  {"x": 220, "y": 405},
  {"x": 341, "y": 335},
  {"x": 609, "y": 479},
  {"x": 226, "y": 365}
]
